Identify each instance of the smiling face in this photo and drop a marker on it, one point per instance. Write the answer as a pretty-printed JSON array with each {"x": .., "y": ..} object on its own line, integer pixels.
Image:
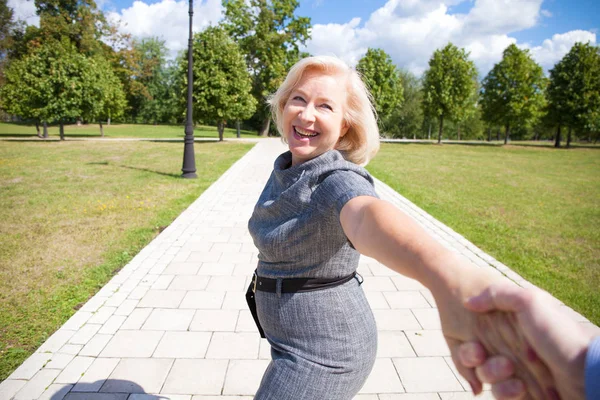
[{"x": 313, "y": 115}]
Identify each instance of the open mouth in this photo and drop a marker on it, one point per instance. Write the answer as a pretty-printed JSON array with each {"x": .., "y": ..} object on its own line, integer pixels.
[{"x": 304, "y": 133}]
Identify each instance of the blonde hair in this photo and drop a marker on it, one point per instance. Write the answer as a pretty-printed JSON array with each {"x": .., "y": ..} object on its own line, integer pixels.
[{"x": 361, "y": 142}]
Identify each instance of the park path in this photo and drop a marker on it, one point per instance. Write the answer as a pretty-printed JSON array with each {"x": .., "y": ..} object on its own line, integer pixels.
[{"x": 173, "y": 323}]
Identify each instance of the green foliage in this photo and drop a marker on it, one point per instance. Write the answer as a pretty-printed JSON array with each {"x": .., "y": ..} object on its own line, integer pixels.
[
  {"x": 513, "y": 91},
  {"x": 269, "y": 34},
  {"x": 448, "y": 84},
  {"x": 574, "y": 90},
  {"x": 383, "y": 80},
  {"x": 222, "y": 85},
  {"x": 407, "y": 121}
]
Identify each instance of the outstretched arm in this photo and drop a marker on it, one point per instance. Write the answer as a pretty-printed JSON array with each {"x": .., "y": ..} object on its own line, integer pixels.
[{"x": 381, "y": 231}]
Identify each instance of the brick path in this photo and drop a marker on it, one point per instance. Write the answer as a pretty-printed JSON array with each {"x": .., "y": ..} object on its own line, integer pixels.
[{"x": 174, "y": 324}]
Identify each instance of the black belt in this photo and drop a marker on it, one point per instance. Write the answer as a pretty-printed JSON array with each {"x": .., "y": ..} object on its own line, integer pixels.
[
  {"x": 295, "y": 285},
  {"x": 290, "y": 285}
]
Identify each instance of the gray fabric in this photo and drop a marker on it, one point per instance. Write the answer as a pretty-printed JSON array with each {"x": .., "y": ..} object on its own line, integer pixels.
[{"x": 323, "y": 343}]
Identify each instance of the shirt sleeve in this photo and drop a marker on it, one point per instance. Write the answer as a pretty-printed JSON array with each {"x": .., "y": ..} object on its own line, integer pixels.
[
  {"x": 592, "y": 370},
  {"x": 340, "y": 187}
]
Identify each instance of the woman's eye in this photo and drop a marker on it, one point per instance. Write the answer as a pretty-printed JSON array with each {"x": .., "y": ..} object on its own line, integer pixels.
[
  {"x": 298, "y": 98},
  {"x": 327, "y": 106}
]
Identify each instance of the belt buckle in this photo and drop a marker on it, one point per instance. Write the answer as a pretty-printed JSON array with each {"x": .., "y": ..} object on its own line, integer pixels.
[{"x": 254, "y": 279}]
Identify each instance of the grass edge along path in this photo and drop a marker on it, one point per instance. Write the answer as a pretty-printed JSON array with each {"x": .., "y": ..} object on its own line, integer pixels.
[
  {"x": 535, "y": 210},
  {"x": 30, "y": 323}
]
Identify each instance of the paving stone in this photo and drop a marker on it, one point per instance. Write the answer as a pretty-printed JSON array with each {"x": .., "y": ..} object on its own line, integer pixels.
[
  {"x": 93, "y": 304},
  {"x": 77, "y": 320},
  {"x": 426, "y": 374},
  {"x": 126, "y": 307},
  {"x": 56, "y": 391},
  {"x": 9, "y": 387},
  {"x": 182, "y": 268},
  {"x": 393, "y": 344},
  {"x": 162, "y": 282},
  {"x": 222, "y": 397},
  {"x": 235, "y": 301},
  {"x": 138, "y": 376},
  {"x": 486, "y": 395},
  {"x": 96, "y": 396},
  {"x": 59, "y": 361},
  {"x": 196, "y": 377},
  {"x": 136, "y": 319},
  {"x": 216, "y": 269},
  {"x": 162, "y": 298},
  {"x": 264, "y": 352},
  {"x": 244, "y": 376},
  {"x": 72, "y": 349},
  {"x": 85, "y": 334},
  {"x": 366, "y": 397},
  {"x": 112, "y": 325},
  {"x": 95, "y": 345},
  {"x": 194, "y": 282},
  {"x": 228, "y": 345},
  {"x": 31, "y": 366},
  {"x": 183, "y": 345},
  {"x": 395, "y": 320},
  {"x": 383, "y": 378},
  {"x": 143, "y": 396},
  {"x": 409, "y": 396},
  {"x": 116, "y": 299},
  {"x": 149, "y": 280},
  {"x": 56, "y": 341},
  {"x": 428, "y": 343},
  {"x": 214, "y": 320},
  {"x": 132, "y": 344},
  {"x": 402, "y": 282},
  {"x": 406, "y": 299},
  {"x": 246, "y": 322},
  {"x": 378, "y": 269},
  {"x": 227, "y": 284},
  {"x": 37, "y": 385},
  {"x": 95, "y": 376},
  {"x": 201, "y": 300},
  {"x": 162, "y": 319},
  {"x": 138, "y": 292},
  {"x": 464, "y": 383},
  {"x": 74, "y": 370},
  {"x": 377, "y": 300},
  {"x": 378, "y": 284},
  {"x": 429, "y": 318},
  {"x": 429, "y": 297}
]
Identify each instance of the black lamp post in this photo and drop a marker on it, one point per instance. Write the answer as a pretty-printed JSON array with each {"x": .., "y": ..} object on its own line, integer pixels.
[{"x": 189, "y": 161}]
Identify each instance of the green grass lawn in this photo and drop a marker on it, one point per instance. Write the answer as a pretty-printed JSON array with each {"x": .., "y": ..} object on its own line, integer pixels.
[
  {"x": 537, "y": 210},
  {"x": 121, "y": 130},
  {"x": 73, "y": 213}
]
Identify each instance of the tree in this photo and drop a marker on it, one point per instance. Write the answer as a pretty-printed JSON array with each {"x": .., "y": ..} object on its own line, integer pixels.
[
  {"x": 574, "y": 91},
  {"x": 513, "y": 91},
  {"x": 407, "y": 120},
  {"x": 222, "y": 84},
  {"x": 448, "y": 84},
  {"x": 382, "y": 79},
  {"x": 269, "y": 34}
]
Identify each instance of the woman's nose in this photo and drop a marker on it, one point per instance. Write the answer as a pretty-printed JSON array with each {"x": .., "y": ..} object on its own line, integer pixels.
[{"x": 308, "y": 113}]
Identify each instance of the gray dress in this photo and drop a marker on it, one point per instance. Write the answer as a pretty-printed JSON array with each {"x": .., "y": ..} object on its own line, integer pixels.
[{"x": 323, "y": 343}]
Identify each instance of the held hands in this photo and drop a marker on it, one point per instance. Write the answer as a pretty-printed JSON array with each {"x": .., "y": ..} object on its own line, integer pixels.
[
  {"x": 469, "y": 331},
  {"x": 554, "y": 338}
]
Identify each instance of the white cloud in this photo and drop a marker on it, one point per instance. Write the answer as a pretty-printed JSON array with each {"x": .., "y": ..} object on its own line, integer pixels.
[
  {"x": 25, "y": 11},
  {"x": 546, "y": 13},
  {"x": 552, "y": 50},
  {"x": 167, "y": 19}
]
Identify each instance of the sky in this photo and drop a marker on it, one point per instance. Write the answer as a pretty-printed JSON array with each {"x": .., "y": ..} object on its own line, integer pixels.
[{"x": 408, "y": 30}]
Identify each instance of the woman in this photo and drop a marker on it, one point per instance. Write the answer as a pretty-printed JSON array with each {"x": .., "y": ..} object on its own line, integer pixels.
[{"x": 317, "y": 212}]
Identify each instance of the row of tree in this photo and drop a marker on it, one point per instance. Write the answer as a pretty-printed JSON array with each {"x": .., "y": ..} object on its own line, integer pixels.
[{"x": 63, "y": 71}]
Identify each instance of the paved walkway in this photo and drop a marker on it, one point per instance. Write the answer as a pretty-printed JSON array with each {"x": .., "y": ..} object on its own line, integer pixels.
[{"x": 173, "y": 323}]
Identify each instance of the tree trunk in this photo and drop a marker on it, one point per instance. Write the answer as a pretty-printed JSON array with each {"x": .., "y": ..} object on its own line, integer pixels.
[
  {"x": 45, "y": 135},
  {"x": 264, "y": 131},
  {"x": 220, "y": 128},
  {"x": 108, "y": 122},
  {"x": 498, "y": 134},
  {"x": 237, "y": 127},
  {"x": 62, "y": 130},
  {"x": 414, "y": 136},
  {"x": 507, "y": 133},
  {"x": 441, "y": 129},
  {"x": 429, "y": 132},
  {"x": 557, "y": 138},
  {"x": 459, "y": 132},
  {"x": 37, "y": 128},
  {"x": 101, "y": 129},
  {"x": 79, "y": 121},
  {"x": 489, "y": 134},
  {"x": 569, "y": 138}
]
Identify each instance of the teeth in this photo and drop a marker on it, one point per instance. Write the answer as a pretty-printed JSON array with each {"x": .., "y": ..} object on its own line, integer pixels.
[{"x": 302, "y": 132}]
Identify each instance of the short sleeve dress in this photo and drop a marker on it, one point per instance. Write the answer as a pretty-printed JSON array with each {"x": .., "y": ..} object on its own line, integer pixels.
[{"x": 323, "y": 343}]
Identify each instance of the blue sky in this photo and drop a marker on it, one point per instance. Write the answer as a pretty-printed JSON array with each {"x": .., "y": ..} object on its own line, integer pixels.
[{"x": 409, "y": 30}]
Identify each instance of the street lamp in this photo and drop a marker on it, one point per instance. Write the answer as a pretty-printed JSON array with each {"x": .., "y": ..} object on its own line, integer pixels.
[{"x": 189, "y": 160}]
